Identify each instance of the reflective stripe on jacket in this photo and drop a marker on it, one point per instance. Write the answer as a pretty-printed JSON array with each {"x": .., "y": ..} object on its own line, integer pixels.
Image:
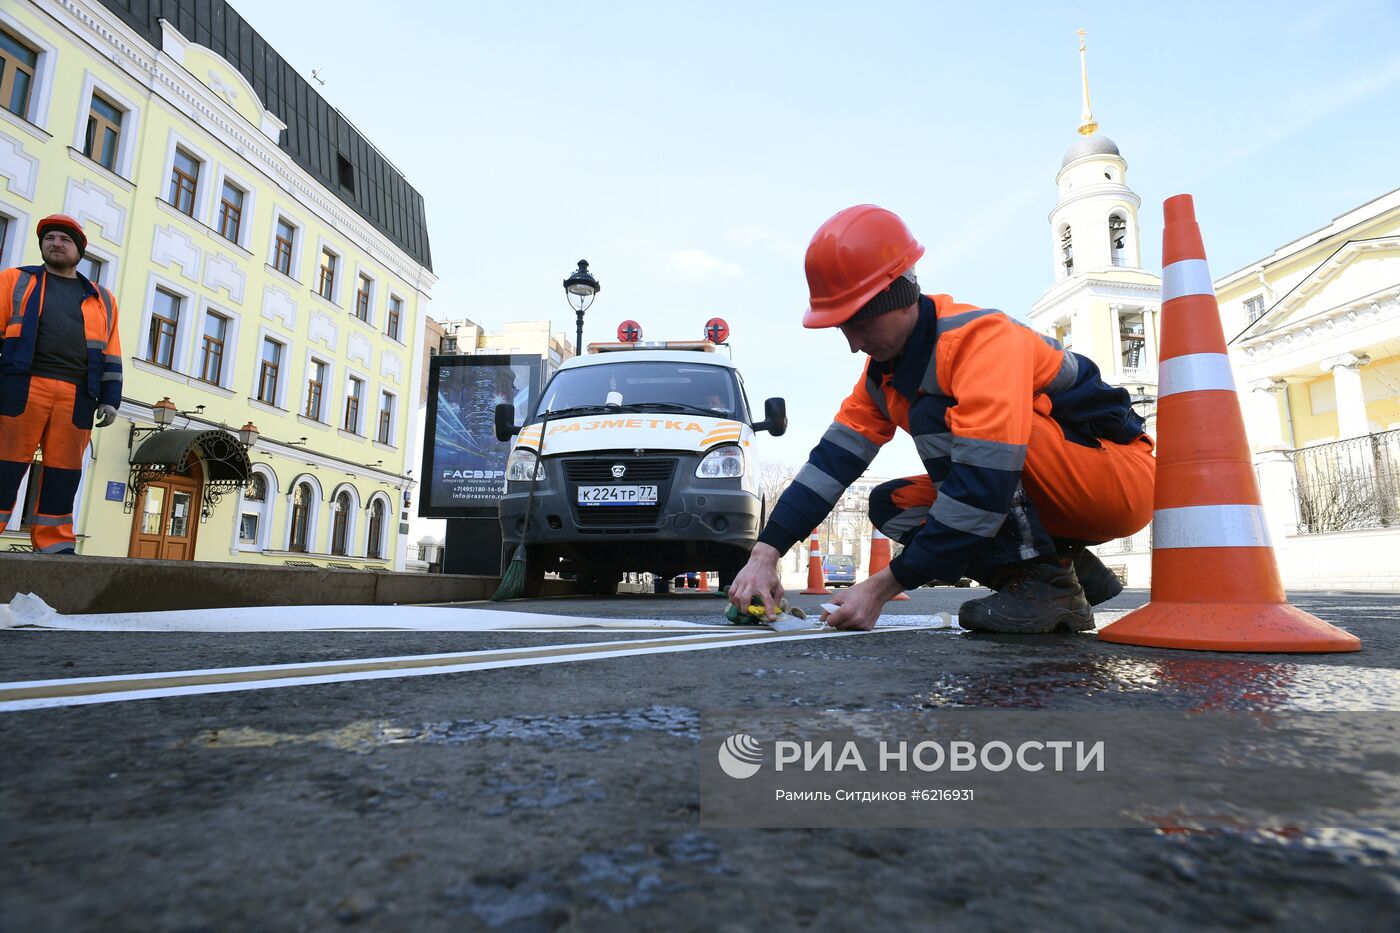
[
  {"x": 21, "y": 304},
  {"x": 965, "y": 389}
]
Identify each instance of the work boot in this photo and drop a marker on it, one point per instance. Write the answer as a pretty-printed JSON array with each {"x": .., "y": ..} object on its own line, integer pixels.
[
  {"x": 1037, "y": 597},
  {"x": 1099, "y": 583}
]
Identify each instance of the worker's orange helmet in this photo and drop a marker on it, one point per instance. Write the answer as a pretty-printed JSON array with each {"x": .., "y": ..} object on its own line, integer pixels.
[{"x": 853, "y": 257}]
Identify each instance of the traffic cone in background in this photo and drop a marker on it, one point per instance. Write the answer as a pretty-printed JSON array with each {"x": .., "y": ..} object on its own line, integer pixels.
[
  {"x": 880, "y": 557},
  {"x": 1215, "y": 583},
  {"x": 703, "y": 581},
  {"x": 816, "y": 580}
]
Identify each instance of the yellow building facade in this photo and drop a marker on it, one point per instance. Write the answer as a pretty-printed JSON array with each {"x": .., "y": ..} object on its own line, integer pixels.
[{"x": 271, "y": 270}]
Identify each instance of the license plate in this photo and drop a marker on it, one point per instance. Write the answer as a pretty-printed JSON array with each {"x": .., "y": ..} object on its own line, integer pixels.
[{"x": 617, "y": 495}]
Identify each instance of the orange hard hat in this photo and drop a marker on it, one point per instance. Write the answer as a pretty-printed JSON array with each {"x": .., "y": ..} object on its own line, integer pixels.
[{"x": 853, "y": 257}]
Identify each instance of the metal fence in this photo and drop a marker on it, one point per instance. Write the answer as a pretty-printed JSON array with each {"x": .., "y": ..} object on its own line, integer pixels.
[{"x": 1347, "y": 485}]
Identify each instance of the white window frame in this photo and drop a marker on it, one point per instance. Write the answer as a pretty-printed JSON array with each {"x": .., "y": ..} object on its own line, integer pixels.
[
  {"x": 380, "y": 390},
  {"x": 365, "y": 384},
  {"x": 245, "y": 220},
  {"x": 313, "y": 529},
  {"x": 109, "y": 264},
  {"x": 131, "y": 123},
  {"x": 1250, "y": 317},
  {"x": 382, "y": 497},
  {"x": 338, "y": 286},
  {"x": 231, "y": 333},
  {"x": 403, "y": 316},
  {"x": 189, "y": 303},
  {"x": 264, "y": 511},
  {"x": 360, "y": 270},
  {"x": 44, "y": 69},
  {"x": 202, "y": 188},
  {"x": 280, "y": 213},
  {"x": 283, "y": 369},
  {"x": 318, "y": 352},
  {"x": 12, "y": 249},
  {"x": 351, "y": 520}
]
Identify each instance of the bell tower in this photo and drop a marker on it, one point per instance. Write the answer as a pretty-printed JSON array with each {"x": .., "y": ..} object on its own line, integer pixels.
[{"x": 1102, "y": 302}]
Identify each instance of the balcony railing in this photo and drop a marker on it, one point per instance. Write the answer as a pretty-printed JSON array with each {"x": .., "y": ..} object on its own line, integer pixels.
[{"x": 1348, "y": 485}]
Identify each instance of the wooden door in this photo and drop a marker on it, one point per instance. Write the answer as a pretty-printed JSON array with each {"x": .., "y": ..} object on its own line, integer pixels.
[{"x": 166, "y": 521}]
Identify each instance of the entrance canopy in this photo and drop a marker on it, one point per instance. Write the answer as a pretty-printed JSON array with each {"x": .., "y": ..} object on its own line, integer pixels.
[{"x": 223, "y": 461}]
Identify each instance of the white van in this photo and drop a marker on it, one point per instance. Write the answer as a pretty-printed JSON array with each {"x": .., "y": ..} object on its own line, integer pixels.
[{"x": 642, "y": 456}]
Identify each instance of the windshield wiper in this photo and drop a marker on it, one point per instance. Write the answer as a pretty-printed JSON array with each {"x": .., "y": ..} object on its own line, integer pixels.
[
  {"x": 573, "y": 410},
  {"x": 674, "y": 406}
]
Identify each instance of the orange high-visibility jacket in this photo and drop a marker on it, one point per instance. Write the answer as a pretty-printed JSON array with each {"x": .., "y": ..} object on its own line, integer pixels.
[
  {"x": 22, "y": 302},
  {"x": 965, "y": 387}
]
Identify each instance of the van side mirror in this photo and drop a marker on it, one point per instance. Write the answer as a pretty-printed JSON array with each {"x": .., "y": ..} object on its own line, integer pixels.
[
  {"x": 505, "y": 422},
  {"x": 775, "y": 417}
]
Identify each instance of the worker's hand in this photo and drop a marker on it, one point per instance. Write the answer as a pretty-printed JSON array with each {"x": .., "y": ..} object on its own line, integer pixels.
[
  {"x": 106, "y": 414},
  {"x": 859, "y": 606},
  {"x": 759, "y": 578}
]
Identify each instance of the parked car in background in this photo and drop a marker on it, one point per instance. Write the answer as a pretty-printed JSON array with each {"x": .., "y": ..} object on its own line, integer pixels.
[{"x": 839, "y": 570}]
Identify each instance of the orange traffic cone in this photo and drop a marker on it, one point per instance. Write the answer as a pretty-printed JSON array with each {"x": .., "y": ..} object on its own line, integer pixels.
[
  {"x": 880, "y": 557},
  {"x": 703, "y": 581},
  {"x": 1215, "y": 583},
  {"x": 816, "y": 580}
]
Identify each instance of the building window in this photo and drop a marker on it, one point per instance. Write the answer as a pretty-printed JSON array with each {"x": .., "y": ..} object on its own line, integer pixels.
[
  {"x": 395, "y": 317},
  {"x": 353, "y": 393},
  {"x": 1118, "y": 239},
  {"x": 211, "y": 360},
  {"x": 282, "y": 255},
  {"x": 1132, "y": 340},
  {"x": 254, "y": 504},
  {"x": 340, "y": 524},
  {"x": 325, "y": 286},
  {"x": 1254, "y": 308},
  {"x": 386, "y": 417},
  {"x": 1067, "y": 251},
  {"x": 362, "y": 298},
  {"x": 448, "y": 344},
  {"x": 165, "y": 320},
  {"x": 5, "y": 240},
  {"x": 315, "y": 388},
  {"x": 18, "y": 63},
  {"x": 374, "y": 544},
  {"x": 184, "y": 181},
  {"x": 230, "y": 212},
  {"x": 90, "y": 266},
  {"x": 104, "y": 131},
  {"x": 301, "y": 517},
  {"x": 345, "y": 172},
  {"x": 267, "y": 371}
]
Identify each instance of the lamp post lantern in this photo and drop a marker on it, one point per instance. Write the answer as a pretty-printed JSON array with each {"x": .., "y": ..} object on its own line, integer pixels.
[{"x": 579, "y": 288}]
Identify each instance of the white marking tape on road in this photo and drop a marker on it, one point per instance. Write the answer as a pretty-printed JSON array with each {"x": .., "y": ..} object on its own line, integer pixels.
[
  {"x": 328, "y": 618},
  {"x": 79, "y": 691}
]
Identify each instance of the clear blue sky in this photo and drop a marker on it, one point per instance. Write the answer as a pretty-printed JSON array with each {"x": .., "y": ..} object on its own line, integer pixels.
[{"x": 690, "y": 150}]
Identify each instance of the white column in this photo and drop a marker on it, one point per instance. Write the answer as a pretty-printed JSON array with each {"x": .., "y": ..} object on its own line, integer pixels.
[
  {"x": 1265, "y": 425},
  {"x": 1351, "y": 401},
  {"x": 1276, "y": 481}
]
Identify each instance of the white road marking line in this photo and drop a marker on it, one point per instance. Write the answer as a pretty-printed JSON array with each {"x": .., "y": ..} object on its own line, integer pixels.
[{"x": 79, "y": 691}]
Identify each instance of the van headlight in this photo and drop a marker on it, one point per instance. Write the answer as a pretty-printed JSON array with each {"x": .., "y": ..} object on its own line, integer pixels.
[
  {"x": 523, "y": 466},
  {"x": 722, "y": 463}
]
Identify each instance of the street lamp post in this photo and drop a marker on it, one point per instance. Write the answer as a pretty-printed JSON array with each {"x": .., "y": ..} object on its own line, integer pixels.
[{"x": 579, "y": 288}]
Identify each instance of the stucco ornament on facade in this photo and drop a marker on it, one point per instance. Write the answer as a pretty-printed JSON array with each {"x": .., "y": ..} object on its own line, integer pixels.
[
  {"x": 88, "y": 201},
  {"x": 19, "y": 169},
  {"x": 172, "y": 245}
]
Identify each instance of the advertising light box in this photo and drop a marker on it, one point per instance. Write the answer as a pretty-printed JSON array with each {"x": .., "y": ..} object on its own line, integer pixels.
[{"x": 463, "y": 463}]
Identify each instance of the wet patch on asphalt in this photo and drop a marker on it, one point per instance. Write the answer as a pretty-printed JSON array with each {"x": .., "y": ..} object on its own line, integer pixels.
[
  {"x": 615, "y": 880},
  {"x": 588, "y": 730}
]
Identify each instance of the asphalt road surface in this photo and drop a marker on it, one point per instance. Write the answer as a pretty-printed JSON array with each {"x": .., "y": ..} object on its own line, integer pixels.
[{"x": 565, "y": 796}]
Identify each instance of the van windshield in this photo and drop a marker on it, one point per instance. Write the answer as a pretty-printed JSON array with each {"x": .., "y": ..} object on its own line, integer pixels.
[
  {"x": 664, "y": 386},
  {"x": 844, "y": 561}
]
